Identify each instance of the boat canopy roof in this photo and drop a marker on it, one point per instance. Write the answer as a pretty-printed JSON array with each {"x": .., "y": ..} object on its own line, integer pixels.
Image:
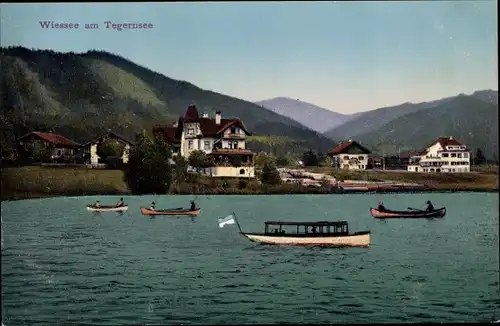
[{"x": 318, "y": 223}]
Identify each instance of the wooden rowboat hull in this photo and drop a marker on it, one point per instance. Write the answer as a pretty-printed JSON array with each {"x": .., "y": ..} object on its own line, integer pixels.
[
  {"x": 107, "y": 208},
  {"x": 441, "y": 212},
  {"x": 174, "y": 212},
  {"x": 358, "y": 239}
]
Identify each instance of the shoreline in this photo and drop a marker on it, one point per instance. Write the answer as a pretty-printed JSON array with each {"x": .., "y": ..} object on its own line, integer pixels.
[
  {"x": 27, "y": 196},
  {"x": 30, "y": 182}
]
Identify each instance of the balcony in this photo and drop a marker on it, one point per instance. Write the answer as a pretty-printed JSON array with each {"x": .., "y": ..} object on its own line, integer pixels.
[
  {"x": 432, "y": 164},
  {"x": 234, "y": 136},
  {"x": 231, "y": 151}
]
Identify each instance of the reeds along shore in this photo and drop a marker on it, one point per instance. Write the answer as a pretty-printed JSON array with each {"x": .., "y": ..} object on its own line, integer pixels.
[{"x": 34, "y": 182}]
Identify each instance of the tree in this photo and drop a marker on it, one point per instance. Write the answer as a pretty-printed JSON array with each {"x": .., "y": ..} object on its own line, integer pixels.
[
  {"x": 199, "y": 160},
  {"x": 38, "y": 151},
  {"x": 328, "y": 161},
  {"x": 309, "y": 159},
  {"x": 479, "y": 157},
  {"x": 282, "y": 161},
  {"x": 261, "y": 159},
  {"x": 109, "y": 147},
  {"x": 270, "y": 174},
  {"x": 179, "y": 171},
  {"x": 149, "y": 170}
]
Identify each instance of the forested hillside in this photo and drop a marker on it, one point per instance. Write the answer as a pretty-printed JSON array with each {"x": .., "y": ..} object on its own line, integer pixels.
[{"x": 82, "y": 95}]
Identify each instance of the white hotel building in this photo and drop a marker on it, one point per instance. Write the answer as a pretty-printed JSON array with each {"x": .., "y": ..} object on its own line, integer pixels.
[{"x": 444, "y": 155}]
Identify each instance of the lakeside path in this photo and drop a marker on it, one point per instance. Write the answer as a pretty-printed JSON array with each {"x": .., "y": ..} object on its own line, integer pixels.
[{"x": 39, "y": 182}]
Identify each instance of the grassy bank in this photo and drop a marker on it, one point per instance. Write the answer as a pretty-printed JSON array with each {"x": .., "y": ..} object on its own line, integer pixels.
[
  {"x": 475, "y": 181},
  {"x": 35, "y": 181}
]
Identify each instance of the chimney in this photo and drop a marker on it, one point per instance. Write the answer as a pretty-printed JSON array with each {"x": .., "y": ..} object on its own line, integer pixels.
[
  {"x": 451, "y": 137},
  {"x": 217, "y": 117},
  {"x": 205, "y": 115}
]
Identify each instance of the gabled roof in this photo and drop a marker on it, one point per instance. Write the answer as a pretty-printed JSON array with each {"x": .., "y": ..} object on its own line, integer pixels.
[
  {"x": 408, "y": 154},
  {"x": 446, "y": 141},
  {"x": 341, "y": 148},
  {"x": 208, "y": 126},
  {"x": 210, "y": 129},
  {"x": 170, "y": 134},
  {"x": 52, "y": 138},
  {"x": 110, "y": 133}
]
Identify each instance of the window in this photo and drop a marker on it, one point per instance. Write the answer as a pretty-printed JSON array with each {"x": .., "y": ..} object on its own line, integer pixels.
[
  {"x": 444, "y": 155},
  {"x": 346, "y": 157},
  {"x": 190, "y": 144},
  {"x": 453, "y": 155},
  {"x": 459, "y": 155},
  {"x": 466, "y": 155},
  {"x": 233, "y": 130},
  {"x": 361, "y": 158},
  {"x": 59, "y": 153},
  {"x": 207, "y": 145},
  {"x": 242, "y": 171},
  {"x": 190, "y": 131}
]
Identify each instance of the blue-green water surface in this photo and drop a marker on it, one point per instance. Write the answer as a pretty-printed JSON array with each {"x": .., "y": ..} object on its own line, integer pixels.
[{"x": 61, "y": 263}]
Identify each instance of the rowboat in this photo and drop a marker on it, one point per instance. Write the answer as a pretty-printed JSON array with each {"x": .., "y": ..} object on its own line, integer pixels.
[
  {"x": 171, "y": 211},
  {"x": 321, "y": 233},
  {"x": 92, "y": 208},
  {"x": 413, "y": 213}
]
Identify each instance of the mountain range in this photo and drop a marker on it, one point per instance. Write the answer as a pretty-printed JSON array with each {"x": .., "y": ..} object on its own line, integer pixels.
[
  {"x": 82, "y": 95},
  {"x": 468, "y": 119},
  {"x": 308, "y": 114}
]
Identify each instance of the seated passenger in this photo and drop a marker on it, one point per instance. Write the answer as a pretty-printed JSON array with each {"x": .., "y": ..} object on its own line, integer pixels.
[
  {"x": 381, "y": 206},
  {"x": 97, "y": 204},
  {"x": 429, "y": 207},
  {"x": 153, "y": 206},
  {"x": 120, "y": 203}
]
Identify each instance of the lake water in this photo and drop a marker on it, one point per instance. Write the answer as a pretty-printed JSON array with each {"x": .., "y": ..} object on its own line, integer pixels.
[{"x": 61, "y": 263}]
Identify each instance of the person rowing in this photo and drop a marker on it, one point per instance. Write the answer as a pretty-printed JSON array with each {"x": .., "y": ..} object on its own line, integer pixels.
[
  {"x": 193, "y": 206},
  {"x": 153, "y": 206},
  {"x": 97, "y": 204},
  {"x": 381, "y": 206},
  {"x": 120, "y": 203},
  {"x": 429, "y": 207}
]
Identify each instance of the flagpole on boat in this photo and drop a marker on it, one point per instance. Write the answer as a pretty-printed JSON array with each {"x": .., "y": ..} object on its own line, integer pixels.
[{"x": 238, "y": 224}]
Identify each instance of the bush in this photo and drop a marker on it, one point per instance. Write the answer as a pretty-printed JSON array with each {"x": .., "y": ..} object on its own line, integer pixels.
[{"x": 270, "y": 174}]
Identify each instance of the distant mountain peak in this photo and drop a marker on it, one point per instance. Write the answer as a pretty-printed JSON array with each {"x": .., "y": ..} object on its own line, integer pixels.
[{"x": 308, "y": 114}]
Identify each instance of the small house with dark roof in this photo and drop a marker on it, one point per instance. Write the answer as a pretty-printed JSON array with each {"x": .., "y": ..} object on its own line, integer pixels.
[
  {"x": 445, "y": 154},
  {"x": 222, "y": 139},
  {"x": 350, "y": 155},
  {"x": 90, "y": 148},
  {"x": 62, "y": 147}
]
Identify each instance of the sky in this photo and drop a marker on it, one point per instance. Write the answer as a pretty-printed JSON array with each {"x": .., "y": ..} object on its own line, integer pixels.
[{"x": 343, "y": 56}]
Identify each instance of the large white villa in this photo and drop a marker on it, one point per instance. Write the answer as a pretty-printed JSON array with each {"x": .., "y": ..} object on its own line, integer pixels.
[
  {"x": 222, "y": 139},
  {"x": 445, "y": 154}
]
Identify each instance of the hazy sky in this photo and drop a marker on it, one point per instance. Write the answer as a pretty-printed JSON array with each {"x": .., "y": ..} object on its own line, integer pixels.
[{"x": 345, "y": 56}]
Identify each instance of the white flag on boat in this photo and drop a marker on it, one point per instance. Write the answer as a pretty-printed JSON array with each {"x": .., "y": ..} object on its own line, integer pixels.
[{"x": 226, "y": 220}]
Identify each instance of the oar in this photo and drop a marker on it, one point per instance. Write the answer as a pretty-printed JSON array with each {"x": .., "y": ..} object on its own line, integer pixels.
[{"x": 414, "y": 209}]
